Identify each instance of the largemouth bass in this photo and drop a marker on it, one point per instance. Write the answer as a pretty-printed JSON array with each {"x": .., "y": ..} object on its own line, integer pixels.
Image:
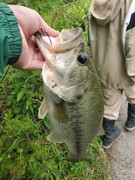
[{"x": 73, "y": 95}]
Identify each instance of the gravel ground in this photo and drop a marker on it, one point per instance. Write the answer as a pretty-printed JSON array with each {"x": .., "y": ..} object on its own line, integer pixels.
[{"x": 121, "y": 155}]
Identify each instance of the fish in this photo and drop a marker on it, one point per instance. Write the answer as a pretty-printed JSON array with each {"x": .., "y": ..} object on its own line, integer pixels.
[{"x": 73, "y": 94}]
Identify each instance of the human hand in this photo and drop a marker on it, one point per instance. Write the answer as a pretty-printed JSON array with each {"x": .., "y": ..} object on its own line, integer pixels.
[{"x": 29, "y": 23}]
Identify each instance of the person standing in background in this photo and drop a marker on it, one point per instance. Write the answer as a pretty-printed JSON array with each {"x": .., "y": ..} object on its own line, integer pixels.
[{"x": 112, "y": 32}]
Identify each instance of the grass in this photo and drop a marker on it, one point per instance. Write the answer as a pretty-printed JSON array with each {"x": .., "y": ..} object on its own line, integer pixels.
[{"x": 26, "y": 154}]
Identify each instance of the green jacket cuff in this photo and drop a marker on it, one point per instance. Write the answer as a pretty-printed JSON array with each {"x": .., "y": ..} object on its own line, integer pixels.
[{"x": 10, "y": 37}]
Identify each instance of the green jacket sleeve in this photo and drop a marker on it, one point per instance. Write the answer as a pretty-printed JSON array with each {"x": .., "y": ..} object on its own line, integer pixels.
[{"x": 10, "y": 38}]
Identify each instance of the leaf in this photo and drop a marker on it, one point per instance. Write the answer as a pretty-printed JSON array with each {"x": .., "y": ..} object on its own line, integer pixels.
[
  {"x": 20, "y": 150},
  {"x": 20, "y": 95},
  {"x": 32, "y": 159},
  {"x": 17, "y": 109}
]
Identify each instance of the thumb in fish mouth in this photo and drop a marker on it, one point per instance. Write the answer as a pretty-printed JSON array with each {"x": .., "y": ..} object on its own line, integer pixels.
[{"x": 76, "y": 158}]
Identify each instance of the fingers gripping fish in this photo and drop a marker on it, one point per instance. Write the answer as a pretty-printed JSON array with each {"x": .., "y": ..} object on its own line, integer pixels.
[{"x": 73, "y": 95}]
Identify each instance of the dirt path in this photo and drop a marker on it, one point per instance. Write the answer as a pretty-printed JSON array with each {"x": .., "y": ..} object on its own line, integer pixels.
[{"x": 121, "y": 155}]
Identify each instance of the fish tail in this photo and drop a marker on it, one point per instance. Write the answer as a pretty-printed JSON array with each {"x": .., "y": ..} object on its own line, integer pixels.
[{"x": 75, "y": 158}]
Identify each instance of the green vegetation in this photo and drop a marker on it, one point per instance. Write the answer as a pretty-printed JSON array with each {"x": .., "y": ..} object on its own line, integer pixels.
[{"x": 25, "y": 153}]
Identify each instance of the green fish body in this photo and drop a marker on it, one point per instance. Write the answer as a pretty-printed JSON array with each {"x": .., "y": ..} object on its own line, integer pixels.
[{"x": 73, "y": 94}]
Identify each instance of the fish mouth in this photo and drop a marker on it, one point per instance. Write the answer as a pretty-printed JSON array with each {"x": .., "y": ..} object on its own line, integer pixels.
[
  {"x": 65, "y": 41},
  {"x": 45, "y": 49},
  {"x": 66, "y": 44}
]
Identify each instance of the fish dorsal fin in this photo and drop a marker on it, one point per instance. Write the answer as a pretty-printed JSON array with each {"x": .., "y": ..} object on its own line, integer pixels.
[
  {"x": 53, "y": 137},
  {"x": 43, "y": 109}
]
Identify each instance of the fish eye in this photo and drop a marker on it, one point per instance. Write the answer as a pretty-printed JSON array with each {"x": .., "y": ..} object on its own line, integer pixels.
[{"x": 82, "y": 58}]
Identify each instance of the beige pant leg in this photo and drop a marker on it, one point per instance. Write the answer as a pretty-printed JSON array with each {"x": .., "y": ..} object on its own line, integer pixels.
[
  {"x": 130, "y": 94},
  {"x": 112, "y": 100}
]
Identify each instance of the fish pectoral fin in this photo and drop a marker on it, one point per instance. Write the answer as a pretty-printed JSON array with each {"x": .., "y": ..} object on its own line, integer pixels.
[
  {"x": 60, "y": 112},
  {"x": 43, "y": 109},
  {"x": 53, "y": 137}
]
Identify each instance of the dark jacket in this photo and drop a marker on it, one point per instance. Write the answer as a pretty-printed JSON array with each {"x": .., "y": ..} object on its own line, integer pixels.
[{"x": 10, "y": 38}]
